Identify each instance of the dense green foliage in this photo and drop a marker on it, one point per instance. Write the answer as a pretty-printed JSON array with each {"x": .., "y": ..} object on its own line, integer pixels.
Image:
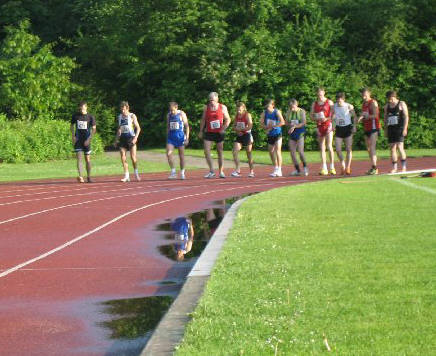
[
  {"x": 150, "y": 52},
  {"x": 37, "y": 141}
]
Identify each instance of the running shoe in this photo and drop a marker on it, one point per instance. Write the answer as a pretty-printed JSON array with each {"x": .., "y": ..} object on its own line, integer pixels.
[
  {"x": 404, "y": 169},
  {"x": 182, "y": 176},
  {"x": 279, "y": 173},
  {"x": 138, "y": 178},
  {"x": 343, "y": 171},
  {"x": 348, "y": 171},
  {"x": 173, "y": 175},
  {"x": 372, "y": 172},
  {"x": 306, "y": 171},
  {"x": 251, "y": 175},
  {"x": 393, "y": 170},
  {"x": 236, "y": 174},
  {"x": 332, "y": 171},
  {"x": 323, "y": 172},
  {"x": 210, "y": 175},
  {"x": 295, "y": 174},
  {"x": 90, "y": 180},
  {"x": 222, "y": 175},
  {"x": 80, "y": 180},
  {"x": 274, "y": 174},
  {"x": 125, "y": 179}
]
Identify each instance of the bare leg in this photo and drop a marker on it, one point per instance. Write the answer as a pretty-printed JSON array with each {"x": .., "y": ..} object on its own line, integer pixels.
[
  {"x": 279, "y": 152},
  {"x": 124, "y": 161},
  {"x": 133, "y": 157},
  {"x": 293, "y": 150},
  {"x": 220, "y": 151},
  {"x": 403, "y": 155},
  {"x": 338, "y": 145},
  {"x": 249, "y": 150},
  {"x": 236, "y": 148},
  {"x": 170, "y": 149},
  {"x": 79, "y": 163},
  {"x": 88, "y": 165},
  {"x": 207, "y": 146},
  {"x": 300, "y": 147},
  {"x": 321, "y": 142},
  {"x": 329, "y": 144},
  {"x": 373, "y": 148},
  {"x": 272, "y": 154},
  {"x": 349, "y": 147},
  {"x": 182, "y": 157}
]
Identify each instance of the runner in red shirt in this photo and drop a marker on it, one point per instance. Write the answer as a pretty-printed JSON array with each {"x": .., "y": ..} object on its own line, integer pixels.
[
  {"x": 242, "y": 126},
  {"x": 371, "y": 125},
  {"x": 213, "y": 125},
  {"x": 320, "y": 112}
]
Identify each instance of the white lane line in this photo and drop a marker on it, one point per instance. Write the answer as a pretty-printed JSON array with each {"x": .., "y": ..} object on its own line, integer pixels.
[
  {"x": 112, "y": 221},
  {"x": 415, "y": 186}
]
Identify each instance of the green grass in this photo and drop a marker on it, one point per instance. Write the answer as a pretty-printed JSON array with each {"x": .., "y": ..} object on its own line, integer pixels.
[
  {"x": 352, "y": 259},
  {"x": 102, "y": 165},
  {"x": 262, "y": 157}
]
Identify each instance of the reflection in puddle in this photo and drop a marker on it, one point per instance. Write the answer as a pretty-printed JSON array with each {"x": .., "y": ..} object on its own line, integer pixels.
[{"x": 134, "y": 318}]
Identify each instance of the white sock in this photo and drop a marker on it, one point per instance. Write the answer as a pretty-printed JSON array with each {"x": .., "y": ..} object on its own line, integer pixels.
[
  {"x": 182, "y": 171},
  {"x": 126, "y": 175},
  {"x": 324, "y": 166},
  {"x": 332, "y": 166},
  {"x": 173, "y": 170}
]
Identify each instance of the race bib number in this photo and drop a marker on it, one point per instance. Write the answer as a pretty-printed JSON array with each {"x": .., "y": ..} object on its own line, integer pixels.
[
  {"x": 392, "y": 120},
  {"x": 240, "y": 125},
  {"x": 294, "y": 122},
  {"x": 320, "y": 115},
  {"x": 270, "y": 123},
  {"x": 216, "y": 124},
  {"x": 82, "y": 125},
  {"x": 125, "y": 129},
  {"x": 180, "y": 237},
  {"x": 174, "y": 125},
  {"x": 341, "y": 122}
]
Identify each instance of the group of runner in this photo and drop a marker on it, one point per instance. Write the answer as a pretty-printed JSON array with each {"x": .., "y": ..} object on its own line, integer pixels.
[{"x": 337, "y": 120}]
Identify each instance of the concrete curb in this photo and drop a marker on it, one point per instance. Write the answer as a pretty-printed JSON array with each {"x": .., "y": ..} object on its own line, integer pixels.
[{"x": 169, "y": 333}]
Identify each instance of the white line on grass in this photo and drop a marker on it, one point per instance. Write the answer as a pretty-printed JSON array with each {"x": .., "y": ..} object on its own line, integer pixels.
[
  {"x": 110, "y": 222},
  {"x": 415, "y": 186}
]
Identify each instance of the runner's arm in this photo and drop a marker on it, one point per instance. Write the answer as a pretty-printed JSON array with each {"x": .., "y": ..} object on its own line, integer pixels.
[
  {"x": 249, "y": 122},
  {"x": 186, "y": 126},
  {"x": 374, "y": 109},
  {"x": 227, "y": 119},
  {"x": 354, "y": 116},
  {"x": 262, "y": 121},
  {"x": 406, "y": 117},
  {"x": 282, "y": 120},
  {"x": 137, "y": 127}
]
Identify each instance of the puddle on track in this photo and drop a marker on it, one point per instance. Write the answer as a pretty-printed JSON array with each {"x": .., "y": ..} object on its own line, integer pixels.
[{"x": 130, "y": 322}]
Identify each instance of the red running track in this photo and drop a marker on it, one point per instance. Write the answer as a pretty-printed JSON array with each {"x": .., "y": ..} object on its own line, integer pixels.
[{"x": 65, "y": 248}]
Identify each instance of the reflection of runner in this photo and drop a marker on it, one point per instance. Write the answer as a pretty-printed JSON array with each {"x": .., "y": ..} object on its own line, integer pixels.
[
  {"x": 242, "y": 126},
  {"x": 177, "y": 137},
  {"x": 321, "y": 114},
  {"x": 343, "y": 113},
  {"x": 271, "y": 120},
  {"x": 82, "y": 129},
  {"x": 296, "y": 120},
  {"x": 396, "y": 125},
  {"x": 183, "y": 236},
  {"x": 127, "y": 136},
  {"x": 213, "y": 219}
]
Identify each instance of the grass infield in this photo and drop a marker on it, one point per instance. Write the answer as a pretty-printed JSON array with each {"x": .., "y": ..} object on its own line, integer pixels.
[
  {"x": 262, "y": 157},
  {"x": 349, "y": 263}
]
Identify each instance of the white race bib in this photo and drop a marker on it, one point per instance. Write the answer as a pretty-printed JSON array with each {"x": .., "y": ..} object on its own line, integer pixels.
[
  {"x": 341, "y": 122},
  {"x": 82, "y": 125},
  {"x": 392, "y": 120},
  {"x": 270, "y": 123},
  {"x": 174, "y": 125},
  {"x": 216, "y": 124},
  {"x": 179, "y": 237},
  {"x": 321, "y": 115},
  {"x": 125, "y": 129},
  {"x": 294, "y": 122},
  {"x": 240, "y": 125}
]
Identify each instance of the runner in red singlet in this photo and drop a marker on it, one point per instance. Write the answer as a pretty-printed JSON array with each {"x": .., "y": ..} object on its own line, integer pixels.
[{"x": 320, "y": 112}]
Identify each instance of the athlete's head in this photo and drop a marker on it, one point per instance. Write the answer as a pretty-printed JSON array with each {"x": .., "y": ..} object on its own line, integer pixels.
[
  {"x": 391, "y": 96},
  {"x": 320, "y": 92},
  {"x": 180, "y": 256},
  {"x": 270, "y": 105},
  {"x": 366, "y": 94},
  {"x": 83, "y": 107},
  {"x": 293, "y": 104},
  {"x": 340, "y": 97},
  {"x": 213, "y": 97},
  {"x": 240, "y": 107},
  {"x": 124, "y": 107},
  {"x": 173, "y": 106}
]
